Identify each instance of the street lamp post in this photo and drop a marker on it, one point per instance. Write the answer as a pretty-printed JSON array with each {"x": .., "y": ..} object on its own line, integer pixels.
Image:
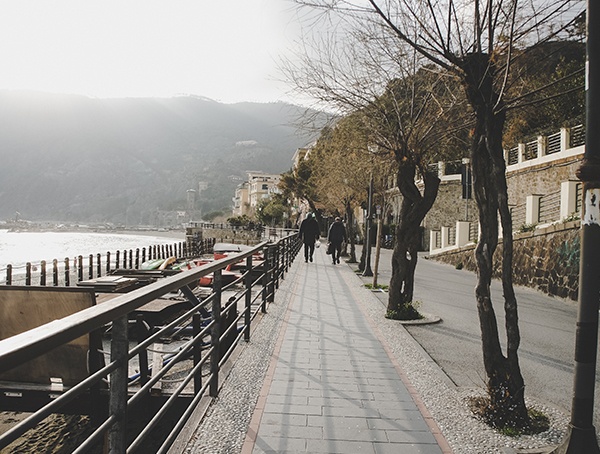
[
  {"x": 368, "y": 272},
  {"x": 582, "y": 434}
]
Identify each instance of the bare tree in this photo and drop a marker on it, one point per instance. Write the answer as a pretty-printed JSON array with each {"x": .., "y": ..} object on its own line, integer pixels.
[
  {"x": 475, "y": 40},
  {"x": 341, "y": 173},
  {"x": 402, "y": 108}
]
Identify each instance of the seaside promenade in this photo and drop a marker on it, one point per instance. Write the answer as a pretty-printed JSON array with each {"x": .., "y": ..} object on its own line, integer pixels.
[{"x": 320, "y": 377}]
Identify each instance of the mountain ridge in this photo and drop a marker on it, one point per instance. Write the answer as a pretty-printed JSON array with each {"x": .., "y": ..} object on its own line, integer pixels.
[{"x": 79, "y": 159}]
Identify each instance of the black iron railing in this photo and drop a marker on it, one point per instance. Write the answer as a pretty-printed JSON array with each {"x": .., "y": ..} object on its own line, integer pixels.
[{"x": 207, "y": 332}]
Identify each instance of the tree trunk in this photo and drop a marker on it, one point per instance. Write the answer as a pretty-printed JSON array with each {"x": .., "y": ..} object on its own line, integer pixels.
[
  {"x": 350, "y": 232},
  {"x": 377, "y": 253},
  {"x": 505, "y": 381},
  {"x": 404, "y": 257}
]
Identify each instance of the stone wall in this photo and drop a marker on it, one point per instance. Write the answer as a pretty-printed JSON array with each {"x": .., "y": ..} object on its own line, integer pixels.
[
  {"x": 545, "y": 259},
  {"x": 449, "y": 207},
  {"x": 540, "y": 179},
  {"x": 222, "y": 235}
]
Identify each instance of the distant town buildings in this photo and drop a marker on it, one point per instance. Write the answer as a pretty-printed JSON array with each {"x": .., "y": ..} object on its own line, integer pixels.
[
  {"x": 248, "y": 194},
  {"x": 302, "y": 153}
]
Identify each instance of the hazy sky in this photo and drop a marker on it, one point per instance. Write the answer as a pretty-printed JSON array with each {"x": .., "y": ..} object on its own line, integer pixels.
[{"x": 226, "y": 50}]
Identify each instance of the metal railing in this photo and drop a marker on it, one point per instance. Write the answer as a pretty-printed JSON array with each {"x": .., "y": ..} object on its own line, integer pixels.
[
  {"x": 69, "y": 271},
  {"x": 549, "y": 208},
  {"x": 214, "y": 330},
  {"x": 518, "y": 213}
]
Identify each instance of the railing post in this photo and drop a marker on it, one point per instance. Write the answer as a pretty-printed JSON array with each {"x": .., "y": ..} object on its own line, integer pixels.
[
  {"x": 565, "y": 138},
  {"x": 462, "y": 233},
  {"x": 197, "y": 327},
  {"x": 91, "y": 266},
  {"x": 118, "y": 386},
  {"x": 80, "y": 268},
  {"x": 137, "y": 258},
  {"x": 28, "y": 273},
  {"x": 278, "y": 266},
  {"x": 43, "y": 273},
  {"x": 108, "y": 262},
  {"x": 521, "y": 153},
  {"x": 215, "y": 334},
  {"x": 272, "y": 271},
  {"x": 117, "y": 256},
  {"x": 542, "y": 146},
  {"x": 445, "y": 237},
  {"x": 532, "y": 209},
  {"x": 568, "y": 198},
  {"x": 67, "y": 272},
  {"x": 9, "y": 274},
  {"x": 55, "y": 273},
  {"x": 99, "y": 264},
  {"x": 248, "y": 298},
  {"x": 265, "y": 280}
]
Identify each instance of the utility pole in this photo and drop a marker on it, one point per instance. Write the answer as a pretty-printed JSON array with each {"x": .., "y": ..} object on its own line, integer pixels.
[{"x": 582, "y": 434}]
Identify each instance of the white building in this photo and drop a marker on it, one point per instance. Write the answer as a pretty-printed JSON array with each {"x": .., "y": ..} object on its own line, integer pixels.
[
  {"x": 241, "y": 200},
  {"x": 261, "y": 186},
  {"x": 248, "y": 194}
]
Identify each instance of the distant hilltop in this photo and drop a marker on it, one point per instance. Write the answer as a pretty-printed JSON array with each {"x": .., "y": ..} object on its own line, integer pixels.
[{"x": 125, "y": 161}]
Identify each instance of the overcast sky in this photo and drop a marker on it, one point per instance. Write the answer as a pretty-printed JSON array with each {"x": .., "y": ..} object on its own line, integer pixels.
[{"x": 226, "y": 50}]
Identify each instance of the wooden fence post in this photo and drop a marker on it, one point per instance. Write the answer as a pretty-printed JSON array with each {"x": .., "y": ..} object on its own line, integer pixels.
[
  {"x": 55, "y": 273},
  {"x": 67, "y": 272},
  {"x": 80, "y": 268},
  {"x": 43, "y": 273}
]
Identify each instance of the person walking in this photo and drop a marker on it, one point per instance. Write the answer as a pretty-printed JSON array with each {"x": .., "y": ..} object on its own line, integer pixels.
[
  {"x": 336, "y": 236},
  {"x": 309, "y": 234}
]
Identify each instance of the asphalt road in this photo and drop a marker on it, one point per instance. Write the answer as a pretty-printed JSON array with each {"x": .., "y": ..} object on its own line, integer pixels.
[{"x": 547, "y": 327}]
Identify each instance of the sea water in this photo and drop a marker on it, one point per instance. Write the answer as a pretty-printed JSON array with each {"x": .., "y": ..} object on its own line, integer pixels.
[{"x": 18, "y": 248}]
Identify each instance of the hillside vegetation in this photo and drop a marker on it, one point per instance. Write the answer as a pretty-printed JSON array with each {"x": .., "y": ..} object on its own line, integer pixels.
[{"x": 78, "y": 159}]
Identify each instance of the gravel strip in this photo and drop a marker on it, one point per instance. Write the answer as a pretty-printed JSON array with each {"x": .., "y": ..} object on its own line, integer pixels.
[
  {"x": 224, "y": 427},
  {"x": 447, "y": 404},
  {"x": 223, "y": 430}
]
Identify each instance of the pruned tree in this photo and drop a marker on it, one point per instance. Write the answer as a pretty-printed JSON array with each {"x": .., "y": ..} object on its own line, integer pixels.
[
  {"x": 476, "y": 41},
  {"x": 403, "y": 109},
  {"x": 298, "y": 182},
  {"x": 411, "y": 120},
  {"x": 340, "y": 172}
]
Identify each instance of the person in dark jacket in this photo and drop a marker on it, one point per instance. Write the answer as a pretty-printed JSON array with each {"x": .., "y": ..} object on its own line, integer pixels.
[
  {"x": 336, "y": 236},
  {"x": 309, "y": 234}
]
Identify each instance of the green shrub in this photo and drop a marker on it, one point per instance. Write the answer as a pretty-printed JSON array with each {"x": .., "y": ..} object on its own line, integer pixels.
[{"x": 406, "y": 311}]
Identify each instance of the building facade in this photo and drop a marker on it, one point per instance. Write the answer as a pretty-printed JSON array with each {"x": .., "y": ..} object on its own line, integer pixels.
[{"x": 248, "y": 195}]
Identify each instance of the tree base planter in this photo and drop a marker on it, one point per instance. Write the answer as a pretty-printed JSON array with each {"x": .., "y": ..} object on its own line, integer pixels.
[{"x": 427, "y": 319}]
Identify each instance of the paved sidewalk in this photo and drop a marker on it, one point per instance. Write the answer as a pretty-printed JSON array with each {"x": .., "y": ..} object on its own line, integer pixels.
[{"x": 332, "y": 385}]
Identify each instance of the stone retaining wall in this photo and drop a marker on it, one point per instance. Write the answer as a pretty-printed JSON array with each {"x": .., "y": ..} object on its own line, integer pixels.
[
  {"x": 225, "y": 235},
  {"x": 546, "y": 259}
]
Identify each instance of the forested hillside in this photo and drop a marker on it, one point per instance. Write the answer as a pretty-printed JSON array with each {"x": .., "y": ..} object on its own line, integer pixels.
[{"x": 77, "y": 159}]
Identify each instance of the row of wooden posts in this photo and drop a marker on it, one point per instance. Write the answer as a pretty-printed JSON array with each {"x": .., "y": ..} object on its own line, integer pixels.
[{"x": 126, "y": 259}]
